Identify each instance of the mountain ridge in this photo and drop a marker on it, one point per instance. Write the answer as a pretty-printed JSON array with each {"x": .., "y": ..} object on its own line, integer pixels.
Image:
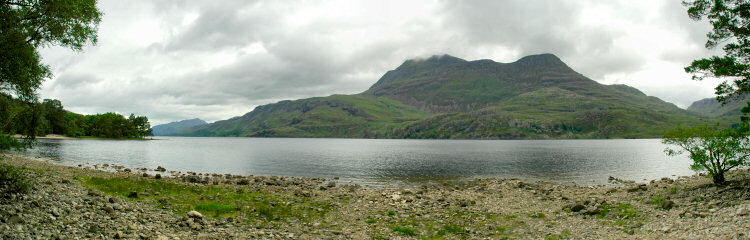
[
  {"x": 537, "y": 96},
  {"x": 172, "y": 128}
]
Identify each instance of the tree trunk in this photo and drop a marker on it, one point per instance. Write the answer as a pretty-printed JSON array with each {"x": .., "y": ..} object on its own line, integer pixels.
[{"x": 719, "y": 178}]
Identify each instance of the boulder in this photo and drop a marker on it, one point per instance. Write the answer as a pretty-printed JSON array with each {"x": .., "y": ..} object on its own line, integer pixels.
[
  {"x": 667, "y": 204},
  {"x": 195, "y": 214}
]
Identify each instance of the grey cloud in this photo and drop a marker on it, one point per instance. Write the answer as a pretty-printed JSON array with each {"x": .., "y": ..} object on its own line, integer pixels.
[
  {"x": 74, "y": 80},
  {"x": 306, "y": 59}
]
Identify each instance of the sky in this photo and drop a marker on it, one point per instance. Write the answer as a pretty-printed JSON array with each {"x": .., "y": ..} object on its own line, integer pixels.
[{"x": 172, "y": 60}]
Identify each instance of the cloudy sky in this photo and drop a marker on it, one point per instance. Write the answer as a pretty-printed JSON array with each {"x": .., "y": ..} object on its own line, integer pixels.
[{"x": 173, "y": 59}]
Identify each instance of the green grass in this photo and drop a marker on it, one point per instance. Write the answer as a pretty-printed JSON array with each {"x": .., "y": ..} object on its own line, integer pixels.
[
  {"x": 404, "y": 230},
  {"x": 214, "y": 201},
  {"x": 657, "y": 200},
  {"x": 536, "y": 215}
]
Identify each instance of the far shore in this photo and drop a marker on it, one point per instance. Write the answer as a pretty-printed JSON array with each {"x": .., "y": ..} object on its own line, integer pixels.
[
  {"x": 62, "y": 137},
  {"x": 89, "y": 202}
]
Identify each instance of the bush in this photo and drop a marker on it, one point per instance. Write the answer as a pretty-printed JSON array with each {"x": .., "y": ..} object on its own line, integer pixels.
[
  {"x": 8, "y": 142},
  {"x": 711, "y": 148},
  {"x": 12, "y": 182}
]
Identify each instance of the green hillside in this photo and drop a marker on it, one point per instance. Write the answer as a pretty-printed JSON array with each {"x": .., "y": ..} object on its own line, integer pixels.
[
  {"x": 169, "y": 129},
  {"x": 446, "y": 97},
  {"x": 711, "y": 107},
  {"x": 333, "y": 116}
]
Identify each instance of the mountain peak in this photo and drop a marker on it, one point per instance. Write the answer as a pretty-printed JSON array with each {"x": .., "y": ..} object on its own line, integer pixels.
[
  {"x": 434, "y": 60},
  {"x": 541, "y": 60}
]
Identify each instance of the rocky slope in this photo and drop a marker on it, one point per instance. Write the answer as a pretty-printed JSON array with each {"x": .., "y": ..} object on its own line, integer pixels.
[{"x": 65, "y": 204}]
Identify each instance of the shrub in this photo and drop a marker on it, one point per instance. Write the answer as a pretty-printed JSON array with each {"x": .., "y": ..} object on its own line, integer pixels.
[
  {"x": 712, "y": 149},
  {"x": 12, "y": 182},
  {"x": 8, "y": 142}
]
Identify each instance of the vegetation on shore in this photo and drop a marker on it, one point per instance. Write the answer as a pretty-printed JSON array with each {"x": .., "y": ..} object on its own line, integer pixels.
[{"x": 49, "y": 117}]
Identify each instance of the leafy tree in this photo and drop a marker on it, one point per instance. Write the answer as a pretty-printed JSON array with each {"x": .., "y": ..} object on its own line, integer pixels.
[
  {"x": 26, "y": 25},
  {"x": 712, "y": 149},
  {"x": 731, "y": 28},
  {"x": 54, "y": 115}
]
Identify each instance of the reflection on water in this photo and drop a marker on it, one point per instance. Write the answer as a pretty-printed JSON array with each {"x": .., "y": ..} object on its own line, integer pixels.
[{"x": 373, "y": 161}]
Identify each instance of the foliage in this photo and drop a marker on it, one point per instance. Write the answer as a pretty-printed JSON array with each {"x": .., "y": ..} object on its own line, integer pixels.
[
  {"x": 114, "y": 125},
  {"x": 711, "y": 148},
  {"x": 26, "y": 25},
  {"x": 49, "y": 117},
  {"x": 12, "y": 182},
  {"x": 730, "y": 20}
]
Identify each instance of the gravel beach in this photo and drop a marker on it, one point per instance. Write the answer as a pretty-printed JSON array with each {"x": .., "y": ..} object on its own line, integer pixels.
[{"x": 87, "y": 203}]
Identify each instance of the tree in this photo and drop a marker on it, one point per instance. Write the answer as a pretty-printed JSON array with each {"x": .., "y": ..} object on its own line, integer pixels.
[
  {"x": 712, "y": 149},
  {"x": 26, "y": 25},
  {"x": 731, "y": 28}
]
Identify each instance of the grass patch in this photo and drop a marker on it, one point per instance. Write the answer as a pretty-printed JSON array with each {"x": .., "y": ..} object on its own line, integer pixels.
[
  {"x": 657, "y": 200},
  {"x": 371, "y": 220},
  {"x": 404, "y": 230},
  {"x": 454, "y": 228},
  {"x": 621, "y": 214},
  {"x": 211, "y": 200},
  {"x": 536, "y": 215}
]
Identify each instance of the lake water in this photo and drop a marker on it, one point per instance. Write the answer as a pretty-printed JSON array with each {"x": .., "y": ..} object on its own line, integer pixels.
[{"x": 383, "y": 161}]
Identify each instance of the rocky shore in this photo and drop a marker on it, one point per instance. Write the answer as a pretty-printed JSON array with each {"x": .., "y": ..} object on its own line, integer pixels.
[{"x": 90, "y": 203}]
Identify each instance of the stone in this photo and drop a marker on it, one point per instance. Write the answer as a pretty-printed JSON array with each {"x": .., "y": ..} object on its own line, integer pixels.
[
  {"x": 109, "y": 209},
  {"x": 742, "y": 211},
  {"x": 133, "y": 194},
  {"x": 157, "y": 176},
  {"x": 145, "y": 175},
  {"x": 667, "y": 204},
  {"x": 161, "y": 169},
  {"x": 16, "y": 218},
  {"x": 94, "y": 193},
  {"x": 593, "y": 210},
  {"x": 395, "y": 197},
  {"x": 119, "y": 235},
  {"x": 112, "y": 200},
  {"x": 194, "y": 214},
  {"x": 577, "y": 207},
  {"x": 331, "y": 184}
]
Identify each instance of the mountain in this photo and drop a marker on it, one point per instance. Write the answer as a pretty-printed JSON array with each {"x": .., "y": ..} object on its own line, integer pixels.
[
  {"x": 170, "y": 129},
  {"x": 538, "y": 96},
  {"x": 711, "y": 107}
]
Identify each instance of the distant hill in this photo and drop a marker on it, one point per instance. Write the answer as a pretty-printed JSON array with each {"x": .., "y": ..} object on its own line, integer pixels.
[
  {"x": 711, "y": 107},
  {"x": 537, "y": 96},
  {"x": 171, "y": 129}
]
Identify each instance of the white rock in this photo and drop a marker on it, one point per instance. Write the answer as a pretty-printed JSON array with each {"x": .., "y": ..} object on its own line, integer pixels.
[
  {"x": 395, "y": 197},
  {"x": 194, "y": 214}
]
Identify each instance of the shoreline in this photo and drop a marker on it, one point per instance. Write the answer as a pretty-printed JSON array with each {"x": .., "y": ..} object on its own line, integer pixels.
[
  {"x": 68, "y": 202},
  {"x": 61, "y": 137}
]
